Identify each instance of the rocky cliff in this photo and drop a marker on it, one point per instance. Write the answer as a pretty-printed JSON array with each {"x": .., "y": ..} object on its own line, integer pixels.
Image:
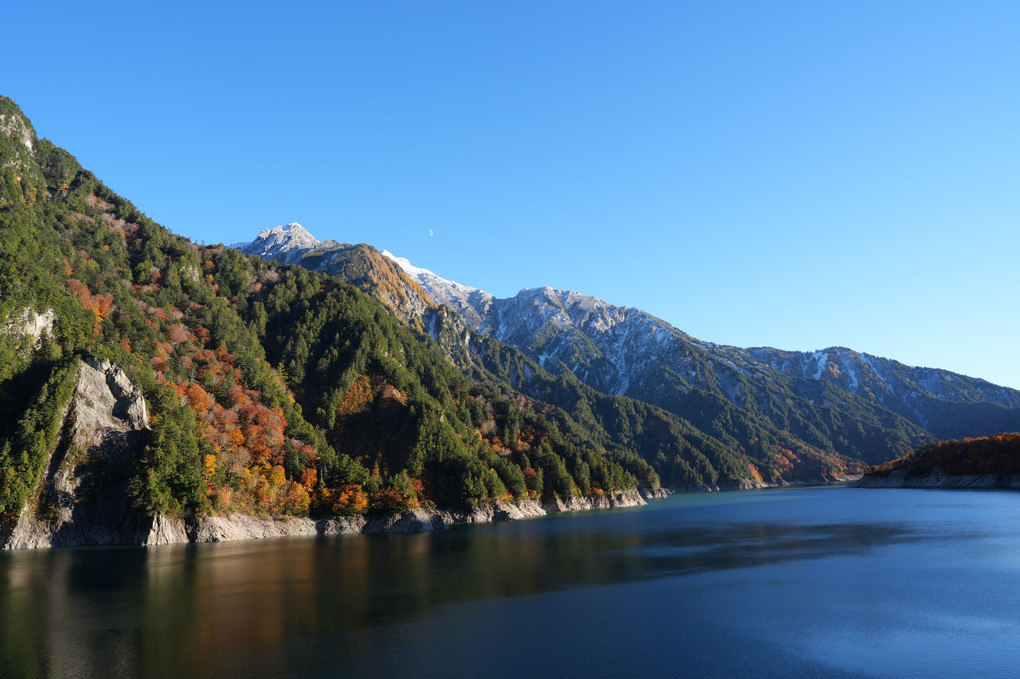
[{"x": 82, "y": 496}]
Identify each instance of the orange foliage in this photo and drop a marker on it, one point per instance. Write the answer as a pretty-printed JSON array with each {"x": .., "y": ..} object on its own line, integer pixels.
[
  {"x": 100, "y": 305},
  {"x": 350, "y": 498},
  {"x": 236, "y": 438},
  {"x": 200, "y": 400},
  {"x": 296, "y": 501},
  {"x": 357, "y": 397},
  {"x": 998, "y": 454}
]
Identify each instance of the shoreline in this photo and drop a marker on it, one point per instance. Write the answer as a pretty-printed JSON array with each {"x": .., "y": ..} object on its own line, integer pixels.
[
  {"x": 940, "y": 481},
  {"x": 154, "y": 530},
  {"x": 244, "y": 527}
]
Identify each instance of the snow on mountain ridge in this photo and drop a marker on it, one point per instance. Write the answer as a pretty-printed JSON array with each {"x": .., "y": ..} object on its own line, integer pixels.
[
  {"x": 471, "y": 304},
  {"x": 286, "y": 243},
  {"x": 627, "y": 351}
]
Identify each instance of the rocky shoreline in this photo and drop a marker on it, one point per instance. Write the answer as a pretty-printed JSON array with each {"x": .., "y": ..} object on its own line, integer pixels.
[
  {"x": 148, "y": 530},
  {"x": 900, "y": 478},
  {"x": 161, "y": 530},
  {"x": 748, "y": 484}
]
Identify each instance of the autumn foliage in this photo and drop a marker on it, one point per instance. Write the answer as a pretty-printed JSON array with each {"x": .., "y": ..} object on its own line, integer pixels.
[{"x": 999, "y": 454}]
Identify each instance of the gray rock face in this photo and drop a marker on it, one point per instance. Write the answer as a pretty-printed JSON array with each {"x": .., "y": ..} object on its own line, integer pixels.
[
  {"x": 624, "y": 498},
  {"x": 32, "y": 324},
  {"x": 18, "y": 128},
  {"x": 164, "y": 531},
  {"x": 82, "y": 498},
  {"x": 243, "y": 527}
]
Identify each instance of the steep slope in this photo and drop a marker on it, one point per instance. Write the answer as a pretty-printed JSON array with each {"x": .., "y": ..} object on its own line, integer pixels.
[
  {"x": 82, "y": 497},
  {"x": 946, "y": 404},
  {"x": 731, "y": 448},
  {"x": 471, "y": 304},
  {"x": 754, "y": 410},
  {"x": 627, "y": 351},
  {"x": 766, "y": 403}
]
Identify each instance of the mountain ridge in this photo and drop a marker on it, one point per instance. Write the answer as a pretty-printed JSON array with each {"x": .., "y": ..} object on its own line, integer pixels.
[{"x": 626, "y": 351}]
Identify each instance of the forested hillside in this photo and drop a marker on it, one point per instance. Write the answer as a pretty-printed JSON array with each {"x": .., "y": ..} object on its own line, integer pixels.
[
  {"x": 729, "y": 447},
  {"x": 272, "y": 390},
  {"x": 994, "y": 460},
  {"x": 706, "y": 415},
  {"x": 781, "y": 416}
]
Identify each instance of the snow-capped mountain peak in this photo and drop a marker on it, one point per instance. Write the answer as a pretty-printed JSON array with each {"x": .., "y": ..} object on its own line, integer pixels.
[
  {"x": 424, "y": 275},
  {"x": 470, "y": 303},
  {"x": 285, "y": 243}
]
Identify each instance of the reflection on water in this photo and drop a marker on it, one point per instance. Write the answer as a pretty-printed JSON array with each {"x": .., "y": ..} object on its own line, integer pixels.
[{"x": 300, "y": 606}]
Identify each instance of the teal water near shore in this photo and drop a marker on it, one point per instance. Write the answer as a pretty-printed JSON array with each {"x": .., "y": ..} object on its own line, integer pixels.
[{"x": 774, "y": 583}]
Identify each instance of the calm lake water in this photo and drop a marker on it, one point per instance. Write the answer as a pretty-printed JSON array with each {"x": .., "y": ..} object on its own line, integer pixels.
[{"x": 777, "y": 583}]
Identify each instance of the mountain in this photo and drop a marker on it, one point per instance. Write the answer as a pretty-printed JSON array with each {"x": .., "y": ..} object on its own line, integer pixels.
[
  {"x": 147, "y": 379},
  {"x": 360, "y": 265},
  {"x": 947, "y": 404},
  {"x": 684, "y": 456},
  {"x": 629, "y": 352},
  {"x": 769, "y": 404}
]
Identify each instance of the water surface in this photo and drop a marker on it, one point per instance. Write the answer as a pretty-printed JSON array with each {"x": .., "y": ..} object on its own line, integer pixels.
[{"x": 777, "y": 583}]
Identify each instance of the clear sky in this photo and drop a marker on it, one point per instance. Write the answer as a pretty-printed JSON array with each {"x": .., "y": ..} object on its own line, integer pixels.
[{"x": 791, "y": 174}]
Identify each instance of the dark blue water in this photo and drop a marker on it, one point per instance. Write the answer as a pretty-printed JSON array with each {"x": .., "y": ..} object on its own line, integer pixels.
[{"x": 806, "y": 582}]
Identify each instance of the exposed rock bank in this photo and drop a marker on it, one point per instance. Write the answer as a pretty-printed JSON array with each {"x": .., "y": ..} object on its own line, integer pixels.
[
  {"x": 899, "y": 478},
  {"x": 750, "y": 484},
  {"x": 243, "y": 527},
  {"x": 32, "y": 324}
]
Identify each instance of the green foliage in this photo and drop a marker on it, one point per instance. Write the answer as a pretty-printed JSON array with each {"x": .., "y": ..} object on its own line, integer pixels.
[
  {"x": 168, "y": 475},
  {"x": 391, "y": 401},
  {"x": 35, "y": 437}
]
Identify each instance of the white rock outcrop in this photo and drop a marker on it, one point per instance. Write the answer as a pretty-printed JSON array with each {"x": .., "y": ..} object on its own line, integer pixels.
[{"x": 32, "y": 324}]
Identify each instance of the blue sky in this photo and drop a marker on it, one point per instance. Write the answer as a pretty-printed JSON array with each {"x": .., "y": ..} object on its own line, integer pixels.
[{"x": 791, "y": 174}]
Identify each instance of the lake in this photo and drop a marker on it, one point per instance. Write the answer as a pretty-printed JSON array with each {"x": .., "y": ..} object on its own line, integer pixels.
[{"x": 776, "y": 583}]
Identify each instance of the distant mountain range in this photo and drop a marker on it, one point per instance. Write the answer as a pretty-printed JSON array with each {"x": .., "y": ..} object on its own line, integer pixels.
[{"x": 835, "y": 400}]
